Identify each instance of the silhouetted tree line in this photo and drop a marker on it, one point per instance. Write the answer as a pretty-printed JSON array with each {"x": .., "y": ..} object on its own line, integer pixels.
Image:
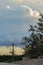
[{"x": 9, "y": 58}]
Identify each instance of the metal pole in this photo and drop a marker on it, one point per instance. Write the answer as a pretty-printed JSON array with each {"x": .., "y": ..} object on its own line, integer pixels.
[{"x": 13, "y": 52}]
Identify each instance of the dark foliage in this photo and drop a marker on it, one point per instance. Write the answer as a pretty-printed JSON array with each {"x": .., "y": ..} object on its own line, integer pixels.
[
  {"x": 9, "y": 58},
  {"x": 34, "y": 43}
]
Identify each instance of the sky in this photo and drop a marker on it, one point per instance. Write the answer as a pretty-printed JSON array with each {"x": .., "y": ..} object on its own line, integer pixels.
[{"x": 15, "y": 20}]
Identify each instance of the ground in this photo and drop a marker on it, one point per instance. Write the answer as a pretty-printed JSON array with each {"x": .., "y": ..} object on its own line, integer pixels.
[
  {"x": 31, "y": 62},
  {"x": 26, "y": 62},
  {"x": 7, "y": 64}
]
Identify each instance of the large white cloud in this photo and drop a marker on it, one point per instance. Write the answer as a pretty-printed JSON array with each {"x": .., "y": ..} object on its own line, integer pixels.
[
  {"x": 33, "y": 3},
  {"x": 34, "y": 13},
  {"x": 13, "y": 4}
]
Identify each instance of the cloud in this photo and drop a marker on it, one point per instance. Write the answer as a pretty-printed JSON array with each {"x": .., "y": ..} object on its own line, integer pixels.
[
  {"x": 28, "y": 1},
  {"x": 4, "y": 10},
  {"x": 17, "y": 1},
  {"x": 34, "y": 14},
  {"x": 31, "y": 3},
  {"x": 8, "y": 7}
]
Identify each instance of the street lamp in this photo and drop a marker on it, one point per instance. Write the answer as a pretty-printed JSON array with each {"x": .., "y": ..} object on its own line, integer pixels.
[{"x": 12, "y": 52}]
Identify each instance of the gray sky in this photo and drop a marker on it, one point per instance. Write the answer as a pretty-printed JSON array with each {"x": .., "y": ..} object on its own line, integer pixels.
[{"x": 15, "y": 20}]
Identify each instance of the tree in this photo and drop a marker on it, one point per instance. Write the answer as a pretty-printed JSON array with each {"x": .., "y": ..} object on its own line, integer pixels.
[
  {"x": 40, "y": 28},
  {"x": 34, "y": 43}
]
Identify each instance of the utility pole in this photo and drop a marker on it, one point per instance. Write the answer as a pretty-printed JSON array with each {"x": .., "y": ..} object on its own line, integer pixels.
[{"x": 13, "y": 52}]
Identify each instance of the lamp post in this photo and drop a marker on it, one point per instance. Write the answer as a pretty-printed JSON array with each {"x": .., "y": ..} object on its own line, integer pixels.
[{"x": 12, "y": 52}]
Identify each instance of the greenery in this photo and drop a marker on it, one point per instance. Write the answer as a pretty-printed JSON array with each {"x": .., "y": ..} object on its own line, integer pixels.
[
  {"x": 9, "y": 58},
  {"x": 34, "y": 43}
]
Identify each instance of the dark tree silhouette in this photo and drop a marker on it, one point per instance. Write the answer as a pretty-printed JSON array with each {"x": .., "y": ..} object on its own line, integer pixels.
[{"x": 34, "y": 43}]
